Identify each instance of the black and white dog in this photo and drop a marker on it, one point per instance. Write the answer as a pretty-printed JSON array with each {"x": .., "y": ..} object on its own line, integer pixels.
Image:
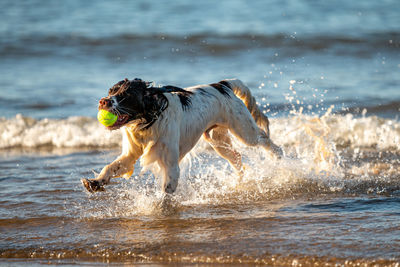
[{"x": 162, "y": 124}]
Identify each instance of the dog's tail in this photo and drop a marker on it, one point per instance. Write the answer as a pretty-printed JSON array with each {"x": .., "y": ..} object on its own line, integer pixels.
[{"x": 243, "y": 92}]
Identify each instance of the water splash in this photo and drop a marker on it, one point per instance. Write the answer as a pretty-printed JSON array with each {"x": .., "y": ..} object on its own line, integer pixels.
[{"x": 327, "y": 154}]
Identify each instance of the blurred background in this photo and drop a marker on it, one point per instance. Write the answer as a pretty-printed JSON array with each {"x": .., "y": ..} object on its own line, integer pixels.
[
  {"x": 57, "y": 58},
  {"x": 327, "y": 73}
]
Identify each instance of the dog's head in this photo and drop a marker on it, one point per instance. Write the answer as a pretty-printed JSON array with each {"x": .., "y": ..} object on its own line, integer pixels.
[{"x": 134, "y": 101}]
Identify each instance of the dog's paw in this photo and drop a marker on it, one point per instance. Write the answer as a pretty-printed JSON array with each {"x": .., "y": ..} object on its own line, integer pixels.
[{"x": 92, "y": 185}]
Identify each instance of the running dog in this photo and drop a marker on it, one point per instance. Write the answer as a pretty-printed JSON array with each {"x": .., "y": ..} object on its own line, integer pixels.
[{"x": 162, "y": 124}]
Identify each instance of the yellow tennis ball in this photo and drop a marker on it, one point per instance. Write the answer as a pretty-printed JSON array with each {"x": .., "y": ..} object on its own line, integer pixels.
[{"x": 106, "y": 118}]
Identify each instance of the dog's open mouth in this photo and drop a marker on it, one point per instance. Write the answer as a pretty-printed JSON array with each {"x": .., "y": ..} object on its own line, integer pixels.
[{"x": 122, "y": 119}]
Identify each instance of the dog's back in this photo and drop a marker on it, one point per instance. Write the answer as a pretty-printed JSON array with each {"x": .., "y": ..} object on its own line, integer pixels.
[{"x": 240, "y": 90}]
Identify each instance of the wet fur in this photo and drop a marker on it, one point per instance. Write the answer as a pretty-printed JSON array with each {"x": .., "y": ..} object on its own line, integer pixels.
[{"x": 165, "y": 123}]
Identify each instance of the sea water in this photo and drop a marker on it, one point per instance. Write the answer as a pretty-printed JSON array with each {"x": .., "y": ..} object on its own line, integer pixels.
[{"x": 326, "y": 74}]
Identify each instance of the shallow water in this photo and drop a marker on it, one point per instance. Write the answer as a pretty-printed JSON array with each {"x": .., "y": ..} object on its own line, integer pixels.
[
  {"x": 336, "y": 200},
  {"x": 328, "y": 74}
]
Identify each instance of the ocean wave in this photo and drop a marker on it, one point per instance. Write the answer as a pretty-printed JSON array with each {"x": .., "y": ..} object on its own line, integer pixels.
[
  {"x": 72, "y": 132},
  {"x": 392, "y": 107},
  {"x": 347, "y": 131},
  {"x": 292, "y": 132},
  {"x": 201, "y": 43}
]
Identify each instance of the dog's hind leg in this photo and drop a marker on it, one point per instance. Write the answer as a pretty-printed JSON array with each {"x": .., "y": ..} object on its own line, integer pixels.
[
  {"x": 251, "y": 127},
  {"x": 220, "y": 141},
  {"x": 247, "y": 131}
]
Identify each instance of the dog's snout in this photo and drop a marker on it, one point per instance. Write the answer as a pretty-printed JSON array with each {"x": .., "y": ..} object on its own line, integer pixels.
[{"x": 105, "y": 103}]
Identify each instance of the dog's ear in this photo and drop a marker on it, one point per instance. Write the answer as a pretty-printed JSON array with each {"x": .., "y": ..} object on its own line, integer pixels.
[
  {"x": 157, "y": 97},
  {"x": 154, "y": 98},
  {"x": 153, "y": 93}
]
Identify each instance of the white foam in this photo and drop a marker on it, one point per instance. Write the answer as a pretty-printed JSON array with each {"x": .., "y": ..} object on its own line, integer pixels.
[
  {"x": 73, "y": 132},
  {"x": 298, "y": 133},
  {"x": 348, "y": 131}
]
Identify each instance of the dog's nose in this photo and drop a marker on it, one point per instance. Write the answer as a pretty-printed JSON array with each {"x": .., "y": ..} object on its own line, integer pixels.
[{"x": 104, "y": 103}]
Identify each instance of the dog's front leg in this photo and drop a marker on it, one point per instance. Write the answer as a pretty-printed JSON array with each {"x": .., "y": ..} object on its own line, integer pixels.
[
  {"x": 170, "y": 178},
  {"x": 169, "y": 162},
  {"x": 122, "y": 165}
]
